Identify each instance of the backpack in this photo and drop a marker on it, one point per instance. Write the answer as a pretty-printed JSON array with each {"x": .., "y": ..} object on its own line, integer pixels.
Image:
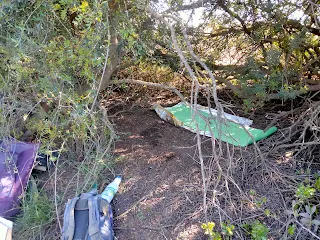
[{"x": 87, "y": 217}]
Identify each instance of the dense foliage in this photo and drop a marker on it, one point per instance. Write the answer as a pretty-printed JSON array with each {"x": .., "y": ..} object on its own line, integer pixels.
[{"x": 264, "y": 49}]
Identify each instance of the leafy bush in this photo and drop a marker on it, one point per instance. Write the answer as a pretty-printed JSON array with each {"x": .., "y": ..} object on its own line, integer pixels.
[
  {"x": 257, "y": 230},
  {"x": 304, "y": 193},
  {"x": 208, "y": 227},
  {"x": 38, "y": 211},
  {"x": 227, "y": 230},
  {"x": 48, "y": 52},
  {"x": 291, "y": 229}
]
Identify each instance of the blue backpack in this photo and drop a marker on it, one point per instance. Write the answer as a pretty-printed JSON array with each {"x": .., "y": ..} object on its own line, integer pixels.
[{"x": 87, "y": 217}]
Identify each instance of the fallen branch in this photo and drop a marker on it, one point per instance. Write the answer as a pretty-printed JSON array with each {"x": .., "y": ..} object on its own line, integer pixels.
[
  {"x": 151, "y": 84},
  {"x": 308, "y": 230},
  {"x": 277, "y": 117}
]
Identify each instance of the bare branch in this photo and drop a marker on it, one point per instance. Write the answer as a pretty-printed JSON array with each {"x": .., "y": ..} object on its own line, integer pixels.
[
  {"x": 194, "y": 95},
  {"x": 198, "y": 4},
  {"x": 151, "y": 84},
  {"x": 223, "y": 5}
]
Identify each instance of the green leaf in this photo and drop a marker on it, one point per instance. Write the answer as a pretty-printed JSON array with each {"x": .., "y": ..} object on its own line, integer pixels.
[
  {"x": 317, "y": 184},
  {"x": 63, "y": 14},
  {"x": 204, "y": 226},
  {"x": 259, "y": 231},
  {"x": 305, "y": 192},
  {"x": 211, "y": 225},
  {"x": 291, "y": 229}
]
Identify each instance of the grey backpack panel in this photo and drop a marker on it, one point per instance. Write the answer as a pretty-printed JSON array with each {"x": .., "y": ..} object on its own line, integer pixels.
[{"x": 88, "y": 217}]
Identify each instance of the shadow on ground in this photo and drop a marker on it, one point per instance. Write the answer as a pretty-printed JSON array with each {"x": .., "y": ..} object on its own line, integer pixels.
[{"x": 159, "y": 197}]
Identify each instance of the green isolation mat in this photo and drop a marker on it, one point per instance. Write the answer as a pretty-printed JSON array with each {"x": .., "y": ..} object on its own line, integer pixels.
[{"x": 226, "y": 130}]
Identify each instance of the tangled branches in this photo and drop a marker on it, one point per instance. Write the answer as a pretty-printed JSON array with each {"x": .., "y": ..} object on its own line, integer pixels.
[{"x": 302, "y": 137}]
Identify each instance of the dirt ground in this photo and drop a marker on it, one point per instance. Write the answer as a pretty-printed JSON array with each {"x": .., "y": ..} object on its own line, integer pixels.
[
  {"x": 161, "y": 194},
  {"x": 159, "y": 197}
]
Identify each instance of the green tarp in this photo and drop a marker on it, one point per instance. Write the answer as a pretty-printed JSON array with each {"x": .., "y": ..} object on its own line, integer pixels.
[{"x": 226, "y": 130}]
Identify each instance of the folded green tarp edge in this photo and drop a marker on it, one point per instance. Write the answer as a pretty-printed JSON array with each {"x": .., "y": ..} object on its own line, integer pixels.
[{"x": 227, "y": 131}]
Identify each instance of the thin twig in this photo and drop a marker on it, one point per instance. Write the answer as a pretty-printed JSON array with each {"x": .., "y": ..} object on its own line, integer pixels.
[
  {"x": 55, "y": 187},
  {"x": 306, "y": 229}
]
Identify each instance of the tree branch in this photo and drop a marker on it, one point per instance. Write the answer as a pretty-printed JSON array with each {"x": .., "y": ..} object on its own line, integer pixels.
[
  {"x": 198, "y": 4},
  {"x": 154, "y": 85},
  {"x": 297, "y": 25},
  {"x": 229, "y": 85},
  {"x": 222, "y": 4},
  {"x": 309, "y": 88}
]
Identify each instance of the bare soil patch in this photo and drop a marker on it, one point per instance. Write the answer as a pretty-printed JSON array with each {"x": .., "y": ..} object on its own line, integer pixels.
[{"x": 161, "y": 195}]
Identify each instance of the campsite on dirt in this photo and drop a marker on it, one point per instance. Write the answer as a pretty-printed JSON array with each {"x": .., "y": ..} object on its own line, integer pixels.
[
  {"x": 140, "y": 120},
  {"x": 161, "y": 197}
]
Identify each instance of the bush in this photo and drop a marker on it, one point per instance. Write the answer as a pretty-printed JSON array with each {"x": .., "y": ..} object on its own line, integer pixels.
[{"x": 48, "y": 53}]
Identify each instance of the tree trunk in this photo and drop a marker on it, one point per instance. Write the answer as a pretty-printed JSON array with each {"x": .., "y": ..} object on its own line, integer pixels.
[{"x": 114, "y": 57}]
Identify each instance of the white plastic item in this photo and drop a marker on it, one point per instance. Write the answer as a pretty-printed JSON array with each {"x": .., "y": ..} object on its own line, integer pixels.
[
  {"x": 214, "y": 112},
  {"x": 241, "y": 120},
  {"x": 111, "y": 190},
  {"x": 5, "y": 229}
]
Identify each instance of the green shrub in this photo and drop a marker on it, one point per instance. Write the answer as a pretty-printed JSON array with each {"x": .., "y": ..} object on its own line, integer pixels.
[
  {"x": 47, "y": 51},
  {"x": 37, "y": 212},
  {"x": 304, "y": 193},
  {"x": 209, "y": 230},
  {"x": 257, "y": 230}
]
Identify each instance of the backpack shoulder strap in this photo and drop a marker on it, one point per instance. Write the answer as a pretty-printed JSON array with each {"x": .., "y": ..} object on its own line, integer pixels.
[
  {"x": 106, "y": 222},
  {"x": 68, "y": 220},
  {"x": 94, "y": 218}
]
